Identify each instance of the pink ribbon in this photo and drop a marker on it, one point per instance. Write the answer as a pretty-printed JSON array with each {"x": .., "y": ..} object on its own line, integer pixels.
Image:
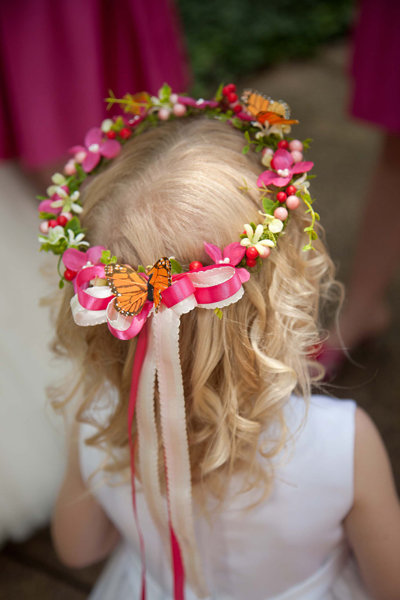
[{"x": 157, "y": 353}]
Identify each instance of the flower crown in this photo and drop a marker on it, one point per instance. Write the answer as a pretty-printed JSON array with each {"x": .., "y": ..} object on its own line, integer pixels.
[
  {"x": 265, "y": 124},
  {"x": 131, "y": 296}
]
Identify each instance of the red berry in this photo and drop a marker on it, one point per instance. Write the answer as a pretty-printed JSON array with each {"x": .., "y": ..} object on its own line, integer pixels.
[
  {"x": 52, "y": 223},
  {"x": 62, "y": 220},
  {"x": 111, "y": 134},
  {"x": 272, "y": 163},
  {"x": 195, "y": 265},
  {"x": 225, "y": 90},
  {"x": 125, "y": 133},
  {"x": 232, "y": 97},
  {"x": 237, "y": 108},
  {"x": 291, "y": 190},
  {"x": 251, "y": 262},
  {"x": 283, "y": 145},
  {"x": 281, "y": 197},
  {"x": 69, "y": 275},
  {"x": 251, "y": 252},
  {"x": 231, "y": 87}
]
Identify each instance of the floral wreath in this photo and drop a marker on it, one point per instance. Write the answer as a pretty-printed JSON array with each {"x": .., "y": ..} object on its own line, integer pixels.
[
  {"x": 167, "y": 290},
  {"x": 265, "y": 124}
]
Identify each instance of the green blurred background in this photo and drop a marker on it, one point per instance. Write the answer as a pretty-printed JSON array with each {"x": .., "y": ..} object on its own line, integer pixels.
[{"x": 227, "y": 40}]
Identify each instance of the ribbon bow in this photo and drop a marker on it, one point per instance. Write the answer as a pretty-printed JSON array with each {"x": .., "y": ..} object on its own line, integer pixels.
[{"x": 157, "y": 353}]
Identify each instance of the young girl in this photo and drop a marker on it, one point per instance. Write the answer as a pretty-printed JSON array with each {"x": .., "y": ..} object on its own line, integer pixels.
[{"x": 242, "y": 485}]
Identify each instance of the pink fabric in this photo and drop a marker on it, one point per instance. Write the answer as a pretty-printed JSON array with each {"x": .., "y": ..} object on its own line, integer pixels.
[
  {"x": 376, "y": 64},
  {"x": 136, "y": 370},
  {"x": 60, "y": 58},
  {"x": 82, "y": 281}
]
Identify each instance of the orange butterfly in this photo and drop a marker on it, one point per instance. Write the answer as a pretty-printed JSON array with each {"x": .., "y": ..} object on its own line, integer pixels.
[
  {"x": 132, "y": 289},
  {"x": 263, "y": 108}
]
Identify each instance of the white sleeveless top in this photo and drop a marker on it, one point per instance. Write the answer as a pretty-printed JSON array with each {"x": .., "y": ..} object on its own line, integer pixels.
[{"x": 292, "y": 546}]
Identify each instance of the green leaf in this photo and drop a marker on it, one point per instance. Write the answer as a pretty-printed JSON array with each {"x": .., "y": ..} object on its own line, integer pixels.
[
  {"x": 107, "y": 259},
  {"x": 165, "y": 92},
  {"x": 61, "y": 284},
  {"x": 218, "y": 312},
  {"x": 141, "y": 269},
  {"x": 245, "y": 149},
  {"x": 74, "y": 224},
  {"x": 218, "y": 94},
  {"x": 46, "y": 215},
  {"x": 268, "y": 205},
  {"x": 175, "y": 266}
]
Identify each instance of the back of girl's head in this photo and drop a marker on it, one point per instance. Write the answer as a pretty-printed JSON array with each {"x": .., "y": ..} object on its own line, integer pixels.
[{"x": 172, "y": 189}]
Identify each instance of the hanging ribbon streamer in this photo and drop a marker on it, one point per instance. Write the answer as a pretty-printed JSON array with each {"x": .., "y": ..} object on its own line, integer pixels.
[{"x": 157, "y": 353}]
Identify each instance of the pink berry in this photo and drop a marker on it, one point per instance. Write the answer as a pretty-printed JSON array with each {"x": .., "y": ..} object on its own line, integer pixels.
[
  {"x": 283, "y": 145},
  {"x": 174, "y": 98},
  {"x": 70, "y": 168},
  {"x": 179, "y": 109},
  {"x": 251, "y": 252},
  {"x": 281, "y": 197},
  {"x": 195, "y": 265},
  {"x": 163, "y": 114},
  {"x": 297, "y": 156},
  {"x": 296, "y": 145},
  {"x": 44, "y": 227},
  {"x": 80, "y": 156},
  {"x": 265, "y": 252},
  {"x": 292, "y": 202},
  {"x": 281, "y": 213}
]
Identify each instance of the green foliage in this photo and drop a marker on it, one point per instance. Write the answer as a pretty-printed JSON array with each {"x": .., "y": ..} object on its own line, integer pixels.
[
  {"x": 227, "y": 40},
  {"x": 176, "y": 267},
  {"x": 107, "y": 258},
  {"x": 269, "y": 205}
]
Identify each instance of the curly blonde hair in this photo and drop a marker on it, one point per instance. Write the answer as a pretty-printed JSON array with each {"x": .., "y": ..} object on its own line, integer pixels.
[{"x": 171, "y": 189}]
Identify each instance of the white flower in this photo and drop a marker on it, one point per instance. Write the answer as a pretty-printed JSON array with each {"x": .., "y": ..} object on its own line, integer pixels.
[
  {"x": 58, "y": 179},
  {"x": 279, "y": 129},
  {"x": 301, "y": 184},
  {"x": 253, "y": 239},
  {"x": 275, "y": 226},
  {"x": 68, "y": 203},
  {"x": 106, "y": 125},
  {"x": 76, "y": 240},
  {"x": 54, "y": 235}
]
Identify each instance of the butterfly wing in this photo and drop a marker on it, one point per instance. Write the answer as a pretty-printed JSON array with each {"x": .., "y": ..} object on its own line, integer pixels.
[
  {"x": 255, "y": 102},
  {"x": 159, "y": 279},
  {"x": 263, "y": 109},
  {"x": 129, "y": 287}
]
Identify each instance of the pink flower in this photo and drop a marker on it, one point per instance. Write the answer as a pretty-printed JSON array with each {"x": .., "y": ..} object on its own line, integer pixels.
[
  {"x": 231, "y": 255},
  {"x": 47, "y": 205},
  {"x": 96, "y": 147},
  {"x": 285, "y": 168},
  {"x": 75, "y": 260}
]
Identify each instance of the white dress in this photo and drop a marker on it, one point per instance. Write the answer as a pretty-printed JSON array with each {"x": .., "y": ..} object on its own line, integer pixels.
[{"x": 290, "y": 547}]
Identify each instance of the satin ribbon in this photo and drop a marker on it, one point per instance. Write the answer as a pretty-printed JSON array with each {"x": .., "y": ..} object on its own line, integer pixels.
[{"x": 211, "y": 287}]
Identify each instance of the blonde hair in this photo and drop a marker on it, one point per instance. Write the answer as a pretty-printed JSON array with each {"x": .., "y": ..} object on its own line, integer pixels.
[{"x": 171, "y": 189}]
